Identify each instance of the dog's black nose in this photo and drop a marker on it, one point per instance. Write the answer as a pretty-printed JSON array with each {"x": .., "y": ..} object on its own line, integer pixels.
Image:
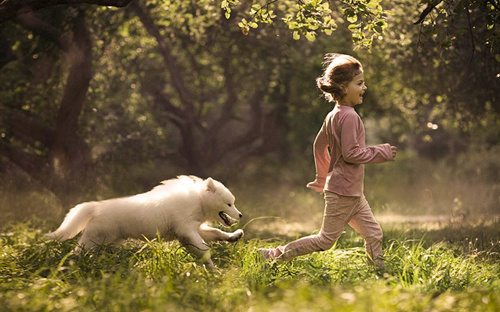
[{"x": 241, "y": 215}]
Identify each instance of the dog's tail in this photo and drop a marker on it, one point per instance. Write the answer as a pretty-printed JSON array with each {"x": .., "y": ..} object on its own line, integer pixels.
[{"x": 75, "y": 221}]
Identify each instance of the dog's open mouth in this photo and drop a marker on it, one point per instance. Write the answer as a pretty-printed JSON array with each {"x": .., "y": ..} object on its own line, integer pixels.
[{"x": 228, "y": 220}]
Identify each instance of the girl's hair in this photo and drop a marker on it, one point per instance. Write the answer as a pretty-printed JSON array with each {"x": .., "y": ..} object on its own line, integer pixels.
[{"x": 340, "y": 69}]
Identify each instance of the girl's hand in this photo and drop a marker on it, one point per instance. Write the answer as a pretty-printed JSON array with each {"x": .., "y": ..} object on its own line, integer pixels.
[
  {"x": 394, "y": 150},
  {"x": 317, "y": 186}
]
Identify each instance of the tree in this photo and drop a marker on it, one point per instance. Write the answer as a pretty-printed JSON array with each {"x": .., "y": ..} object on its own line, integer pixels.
[
  {"x": 51, "y": 150},
  {"x": 452, "y": 19},
  {"x": 207, "y": 113},
  {"x": 437, "y": 80},
  {"x": 85, "y": 87}
]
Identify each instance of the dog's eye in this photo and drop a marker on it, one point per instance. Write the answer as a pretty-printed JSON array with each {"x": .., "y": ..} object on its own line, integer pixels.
[{"x": 229, "y": 205}]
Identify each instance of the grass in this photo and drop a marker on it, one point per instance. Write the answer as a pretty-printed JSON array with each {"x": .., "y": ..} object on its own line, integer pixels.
[
  {"x": 450, "y": 266},
  {"x": 455, "y": 268}
]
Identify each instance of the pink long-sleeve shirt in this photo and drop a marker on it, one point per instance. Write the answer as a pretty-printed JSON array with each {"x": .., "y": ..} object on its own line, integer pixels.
[{"x": 341, "y": 170}]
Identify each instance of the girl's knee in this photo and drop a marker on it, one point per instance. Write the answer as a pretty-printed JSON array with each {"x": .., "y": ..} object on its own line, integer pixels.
[{"x": 326, "y": 242}]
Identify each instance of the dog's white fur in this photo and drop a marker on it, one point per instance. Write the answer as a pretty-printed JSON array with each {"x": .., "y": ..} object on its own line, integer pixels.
[{"x": 176, "y": 209}]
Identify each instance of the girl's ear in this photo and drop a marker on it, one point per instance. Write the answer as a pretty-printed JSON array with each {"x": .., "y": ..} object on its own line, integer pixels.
[{"x": 210, "y": 185}]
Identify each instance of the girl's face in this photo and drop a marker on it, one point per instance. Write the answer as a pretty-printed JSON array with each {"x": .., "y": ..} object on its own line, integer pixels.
[{"x": 354, "y": 91}]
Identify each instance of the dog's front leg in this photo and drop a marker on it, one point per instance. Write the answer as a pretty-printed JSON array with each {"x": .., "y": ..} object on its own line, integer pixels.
[
  {"x": 197, "y": 246},
  {"x": 210, "y": 234}
]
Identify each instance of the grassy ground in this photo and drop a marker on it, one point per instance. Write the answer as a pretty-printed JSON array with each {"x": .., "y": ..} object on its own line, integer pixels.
[
  {"x": 450, "y": 263},
  {"x": 454, "y": 268}
]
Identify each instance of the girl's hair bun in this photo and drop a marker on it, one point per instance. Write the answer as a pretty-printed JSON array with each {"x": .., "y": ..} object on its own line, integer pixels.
[{"x": 339, "y": 71}]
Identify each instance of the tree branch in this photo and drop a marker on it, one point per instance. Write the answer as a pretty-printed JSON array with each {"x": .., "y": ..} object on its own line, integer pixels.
[
  {"x": 28, "y": 129},
  {"x": 253, "y": 132},
  {"x": 175, "y": 73},
  {"x": 226, "y": 112},
  {"x": 12, "y": 8},
  {"x": 33, "y": 22},
  {"x": 174, "y": 114},
  {"x": 6, "y": 53},
  {"x": 473, "y": 47},
  {"x": 430, "y": 6},
  {"x": 28, "y": 162}
]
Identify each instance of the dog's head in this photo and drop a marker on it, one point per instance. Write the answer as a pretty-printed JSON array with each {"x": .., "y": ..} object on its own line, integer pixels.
[{"x": 218, "y": 203}]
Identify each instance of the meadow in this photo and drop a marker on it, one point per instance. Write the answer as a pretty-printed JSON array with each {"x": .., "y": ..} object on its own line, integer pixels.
[
  {"x": 434, "y": 263},
  {"x": 455, "y": 268}
]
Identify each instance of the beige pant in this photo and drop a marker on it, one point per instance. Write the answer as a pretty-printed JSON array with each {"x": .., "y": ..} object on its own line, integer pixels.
[{"x": 339, "y": 212}]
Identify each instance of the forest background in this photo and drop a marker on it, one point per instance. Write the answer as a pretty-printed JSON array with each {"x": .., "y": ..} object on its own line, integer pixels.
[{"x": 98, "y": 101}]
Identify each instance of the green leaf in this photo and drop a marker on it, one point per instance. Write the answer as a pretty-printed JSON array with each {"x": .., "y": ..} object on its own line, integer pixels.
[
  {"x": 311, "y": 36},
  {"x": 352, "y": 18},
  {"x": 353, "y": 27}
]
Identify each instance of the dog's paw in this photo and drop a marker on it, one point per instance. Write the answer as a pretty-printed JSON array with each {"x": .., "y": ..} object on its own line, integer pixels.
[{"x": 236, "y": 235}]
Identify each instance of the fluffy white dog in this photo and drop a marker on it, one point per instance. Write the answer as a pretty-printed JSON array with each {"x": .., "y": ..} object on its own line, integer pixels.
[{"x": 176, "y": 209}]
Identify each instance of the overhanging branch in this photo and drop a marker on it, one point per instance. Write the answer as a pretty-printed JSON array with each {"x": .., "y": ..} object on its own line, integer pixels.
[
  {"x": 430, "y": 6},
  {"x": 12, "y": 8},
  {"x": 170, "y": 62}
]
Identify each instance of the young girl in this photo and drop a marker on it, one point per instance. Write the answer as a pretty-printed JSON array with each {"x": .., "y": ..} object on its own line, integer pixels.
[{"x": 340, "y": 155}]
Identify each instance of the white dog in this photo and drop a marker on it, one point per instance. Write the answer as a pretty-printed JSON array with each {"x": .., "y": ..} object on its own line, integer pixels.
[{"x": 176, "y": 209}]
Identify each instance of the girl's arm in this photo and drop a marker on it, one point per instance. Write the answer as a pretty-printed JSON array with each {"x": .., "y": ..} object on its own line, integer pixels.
[
  {"x": 352, "y": 151},
  {"x": 321, "y": 160}
]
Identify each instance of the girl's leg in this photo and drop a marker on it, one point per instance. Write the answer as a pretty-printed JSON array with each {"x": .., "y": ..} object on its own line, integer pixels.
[
  {"x": 338, "y": 212},
  {"x": 365, "y": 224}
]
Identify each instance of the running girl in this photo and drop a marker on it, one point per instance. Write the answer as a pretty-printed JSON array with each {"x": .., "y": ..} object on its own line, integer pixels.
[{"x": 340, "y": 155}]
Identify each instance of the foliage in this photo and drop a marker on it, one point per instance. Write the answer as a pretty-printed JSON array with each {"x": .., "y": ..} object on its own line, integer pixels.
[
  {"x": 175, "y": 87},
  {"x": 311, "y": 17},
  {"x": 421, "y": 275},
  {"x": 446, "y": 21},
  {"x": 435, "y": 89}
]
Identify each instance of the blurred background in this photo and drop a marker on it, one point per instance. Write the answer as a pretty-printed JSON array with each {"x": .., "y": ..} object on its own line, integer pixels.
[{"x": 98, "y": 102}]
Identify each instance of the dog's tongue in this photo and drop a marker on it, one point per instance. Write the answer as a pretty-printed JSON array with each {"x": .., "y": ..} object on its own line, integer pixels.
[{"x": 227, "y": 218}]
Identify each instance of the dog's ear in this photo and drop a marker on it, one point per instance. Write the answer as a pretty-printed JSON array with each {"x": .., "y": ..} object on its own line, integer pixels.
[{"x": 210, "y": 185}]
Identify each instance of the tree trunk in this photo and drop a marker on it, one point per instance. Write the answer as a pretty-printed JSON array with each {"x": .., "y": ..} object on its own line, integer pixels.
[
  {"x": 70, "y": 156},
  {"x": 66, "y": 169}
]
